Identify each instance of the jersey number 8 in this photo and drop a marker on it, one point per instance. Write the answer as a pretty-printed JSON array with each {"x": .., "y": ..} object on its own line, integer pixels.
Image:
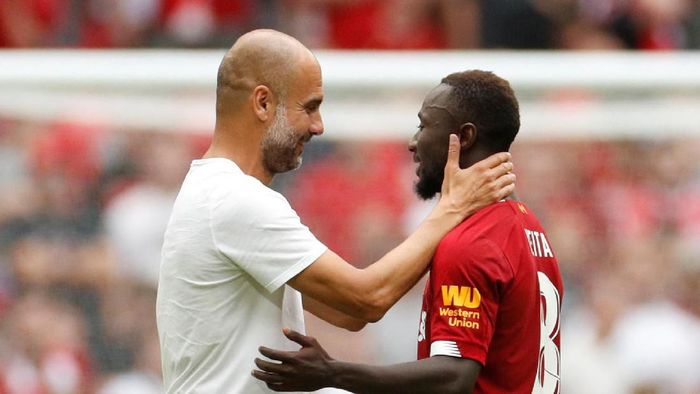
[{"x": 549, "y": 364}]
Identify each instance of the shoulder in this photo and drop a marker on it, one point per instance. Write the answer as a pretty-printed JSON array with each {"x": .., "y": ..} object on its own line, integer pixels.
[
  {"x": 250, "y": 203},
  {"x": 233, "y": 196},
  {"x": 484, "y": 239},
  {"x": 503, "y": 213},
  {"x": 491, "y": 225}
]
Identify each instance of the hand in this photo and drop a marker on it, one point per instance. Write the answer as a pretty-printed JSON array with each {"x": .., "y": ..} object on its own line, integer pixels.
[
  {"x": 307, "y": 369},
  {"x": 465, "y": 191}
]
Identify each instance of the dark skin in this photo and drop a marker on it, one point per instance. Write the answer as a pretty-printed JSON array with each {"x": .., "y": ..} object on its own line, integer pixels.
[
  {"x": 438, "y": 119},
  {"x": 311, "y": 368}
]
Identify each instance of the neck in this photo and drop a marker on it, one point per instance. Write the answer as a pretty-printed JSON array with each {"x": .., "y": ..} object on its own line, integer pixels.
[
  {"x": 473, "y": 155},
  {"x": 242, "y": 149}
]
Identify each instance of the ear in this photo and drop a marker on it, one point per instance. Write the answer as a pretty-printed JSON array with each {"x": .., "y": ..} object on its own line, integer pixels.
[
  {"x": 262, "y": 102},
  {"x": 467, "y": 135}
]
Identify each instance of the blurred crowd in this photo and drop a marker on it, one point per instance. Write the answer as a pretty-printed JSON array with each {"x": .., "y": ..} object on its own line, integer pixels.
[
  {"x": 355, "y": 24},
  {"x": 82, "y": 213}
]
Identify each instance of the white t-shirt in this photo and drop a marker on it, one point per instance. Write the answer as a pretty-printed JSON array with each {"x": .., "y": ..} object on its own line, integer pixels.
[{"x": 231, "y": 245}]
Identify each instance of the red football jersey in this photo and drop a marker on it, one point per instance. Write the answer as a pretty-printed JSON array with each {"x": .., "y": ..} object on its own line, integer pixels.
[{"x": 494, "y": 296}]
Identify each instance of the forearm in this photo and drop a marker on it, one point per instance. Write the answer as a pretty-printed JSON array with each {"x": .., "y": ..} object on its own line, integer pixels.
[
  {"x": 389, "y": 278},
  {"x": 432, "y": 375},
  {"x": 368, "y": 293},
  {"x": 332, "y": 315}
]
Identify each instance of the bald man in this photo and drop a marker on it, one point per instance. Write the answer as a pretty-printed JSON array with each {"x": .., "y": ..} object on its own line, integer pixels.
[{"x": 236, "y": 258}]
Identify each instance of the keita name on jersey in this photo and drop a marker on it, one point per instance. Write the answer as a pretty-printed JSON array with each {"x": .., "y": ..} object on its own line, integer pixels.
[{"x": 538, "y": 244}]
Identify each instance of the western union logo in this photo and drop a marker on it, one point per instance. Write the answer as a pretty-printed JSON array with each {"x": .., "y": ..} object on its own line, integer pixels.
[{"x": 468, "y": 297}]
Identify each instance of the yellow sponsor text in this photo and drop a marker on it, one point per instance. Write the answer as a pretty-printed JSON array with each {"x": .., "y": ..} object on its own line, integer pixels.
[
  {"x": 465, "y": 296},
  {"x": 459, "y": 313},
  {"x": 462, "y": 322}
]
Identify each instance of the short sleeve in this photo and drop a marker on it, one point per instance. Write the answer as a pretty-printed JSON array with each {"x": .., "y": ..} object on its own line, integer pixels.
[
  {"x": 260, "y": 233},
  {"x": 466, "y": 285}
]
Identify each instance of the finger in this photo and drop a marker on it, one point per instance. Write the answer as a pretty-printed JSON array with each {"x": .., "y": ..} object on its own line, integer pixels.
[
  {"x": 502, "y": 186},
  {"x": 271, "y": 367},
  {"x": 267, "y": 377},
  {"x": 499, "y": 171},
  {"x": 453, "y": 153},
  {"x": 299, "y": 338},
  {"x": 495, "y": 160},
  {"x": 505, "y": 180},
  {"x": 505, "y": 191},
  {"x": 278, "y": 355}
]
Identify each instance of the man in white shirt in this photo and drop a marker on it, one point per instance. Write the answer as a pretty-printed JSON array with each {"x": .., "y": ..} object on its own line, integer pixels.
[{"x": 236, "y": 256}]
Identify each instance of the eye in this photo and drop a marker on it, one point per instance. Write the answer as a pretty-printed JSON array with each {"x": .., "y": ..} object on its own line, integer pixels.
[{"x": 312, "y": 106}]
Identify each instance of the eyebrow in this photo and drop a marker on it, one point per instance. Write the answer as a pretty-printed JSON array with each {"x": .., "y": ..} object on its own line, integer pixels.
[{"x": 314, "y": 102}]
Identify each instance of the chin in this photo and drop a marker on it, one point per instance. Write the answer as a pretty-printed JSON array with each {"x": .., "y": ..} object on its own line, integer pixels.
[
  {"x": 424, "y": 192},
  {"x": 280, "y": 167},
  {"x": 428, "y": 185},
  {"x": 298, "y": 163}
]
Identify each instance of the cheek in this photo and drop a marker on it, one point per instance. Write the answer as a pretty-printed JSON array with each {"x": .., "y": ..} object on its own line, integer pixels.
[
  {"x": 435, "y": 151},
  {"x": 300, "y": 121}
]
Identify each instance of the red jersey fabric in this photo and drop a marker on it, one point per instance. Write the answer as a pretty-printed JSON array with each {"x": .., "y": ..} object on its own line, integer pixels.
[{"x": 494, "y": 296}]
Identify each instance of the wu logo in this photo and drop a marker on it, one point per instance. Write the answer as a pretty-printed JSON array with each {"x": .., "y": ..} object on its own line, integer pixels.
[{"x": 468, "y": 297}]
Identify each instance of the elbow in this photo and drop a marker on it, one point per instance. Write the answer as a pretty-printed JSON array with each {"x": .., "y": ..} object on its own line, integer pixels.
[
  {"x": 356, "y": 325},
  {"x": 374, "y": 316},
  {"x": 368, "y": 300},
  {"x": 374, "y": 306}
]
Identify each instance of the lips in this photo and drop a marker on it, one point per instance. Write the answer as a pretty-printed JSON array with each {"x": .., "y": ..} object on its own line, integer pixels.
[
  {"x": 302, "y": 142},
  {"x": 416, "y": 160}
]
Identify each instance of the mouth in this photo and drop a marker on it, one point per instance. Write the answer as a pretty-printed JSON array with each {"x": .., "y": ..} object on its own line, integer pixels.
[
  {"x": 302, "y": 142},
  {"x": 416, "y": 160}
]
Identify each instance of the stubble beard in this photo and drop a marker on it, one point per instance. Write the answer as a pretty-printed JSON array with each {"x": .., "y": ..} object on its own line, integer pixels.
[{"x": 279, "y": 145}]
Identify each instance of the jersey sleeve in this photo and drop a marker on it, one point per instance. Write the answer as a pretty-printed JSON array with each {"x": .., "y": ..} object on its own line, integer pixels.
[
  {"x": 467, "y": 290},
  {"x": 264, "y": 237}
]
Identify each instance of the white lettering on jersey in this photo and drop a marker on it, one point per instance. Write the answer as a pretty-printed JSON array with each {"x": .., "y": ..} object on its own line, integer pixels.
[
  {"x": 548, "y": 376},
  {"x": 539, "y": 247},
  {"x": 421, "y": 327}
]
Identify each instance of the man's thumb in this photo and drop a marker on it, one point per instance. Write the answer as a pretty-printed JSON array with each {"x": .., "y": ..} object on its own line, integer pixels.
[{"x": 453, "y": 153}]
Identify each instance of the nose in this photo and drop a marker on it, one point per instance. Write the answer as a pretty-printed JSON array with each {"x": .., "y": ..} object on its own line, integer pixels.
[
  {"x": 316, "y": 127},
  {"x": 413, "y": 143}
]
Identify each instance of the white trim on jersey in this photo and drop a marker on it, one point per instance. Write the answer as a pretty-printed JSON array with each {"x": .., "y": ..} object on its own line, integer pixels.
[{"x": 444, "y": 348}]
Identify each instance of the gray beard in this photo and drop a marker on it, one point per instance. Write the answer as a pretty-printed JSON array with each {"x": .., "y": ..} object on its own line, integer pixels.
[{"x": 279, "y": 145}]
